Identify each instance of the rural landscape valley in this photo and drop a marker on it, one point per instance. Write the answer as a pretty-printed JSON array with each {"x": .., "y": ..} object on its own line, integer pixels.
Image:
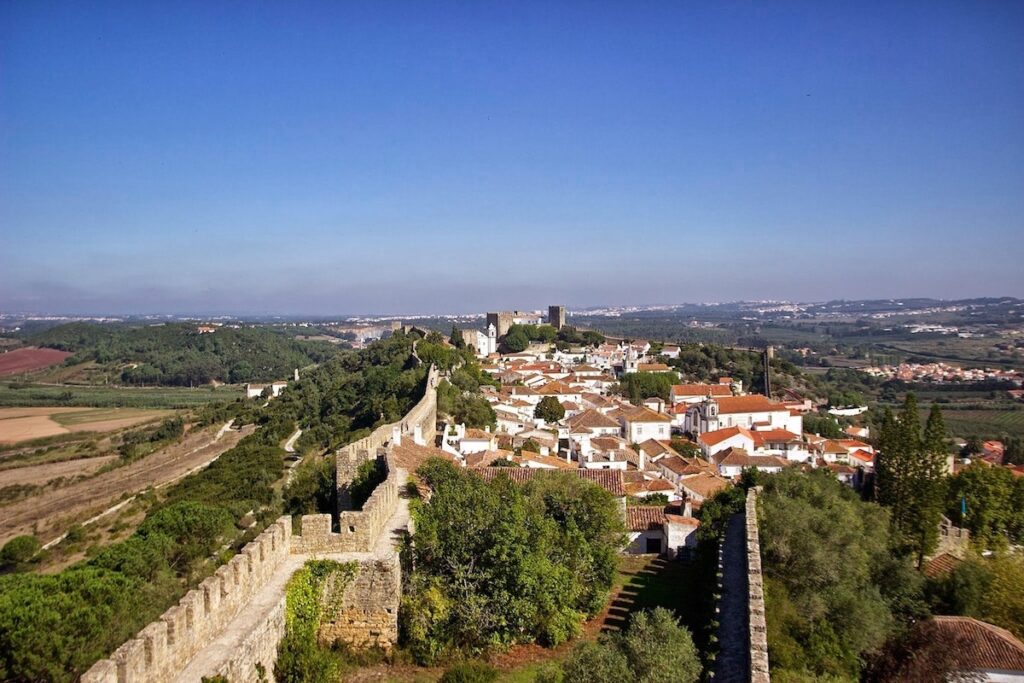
[{"x": 532, "y": 342}]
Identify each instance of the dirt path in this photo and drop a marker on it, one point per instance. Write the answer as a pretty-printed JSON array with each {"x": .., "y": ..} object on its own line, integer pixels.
[{"x": 51, "y": 512}]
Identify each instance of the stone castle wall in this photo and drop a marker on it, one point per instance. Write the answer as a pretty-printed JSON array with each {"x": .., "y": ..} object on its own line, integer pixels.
[
  {"x": 359, "y": 530},
  {"x": 164, "y": 647},
  {"x": 366, "y": 612},
  {"x": 759, "y": 671}
]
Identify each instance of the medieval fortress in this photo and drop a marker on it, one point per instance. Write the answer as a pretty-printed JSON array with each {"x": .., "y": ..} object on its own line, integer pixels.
[{"x": 230, "y": 625}]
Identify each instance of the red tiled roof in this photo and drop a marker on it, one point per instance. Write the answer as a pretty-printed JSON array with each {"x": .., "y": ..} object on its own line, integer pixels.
[
  {"x": 609, "y": 480},
  {"x": 775, "y": 436},
  {"x": 754, "y": 403},
  {"x": 643, "y": 414},
  {"x": 988, "y": 646},
  {"x": 941, "y": 565},
  {"x": 592, "y": 419},
  {"x": 701, "y": 390},
  {"x": 719, "y": 435},
  {"x": 705, "y": 484},
  {"x": 644, "y": 517}
]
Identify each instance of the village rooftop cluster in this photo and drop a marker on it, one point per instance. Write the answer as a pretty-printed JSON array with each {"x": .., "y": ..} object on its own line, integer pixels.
[{"x": 683, "y": 450}]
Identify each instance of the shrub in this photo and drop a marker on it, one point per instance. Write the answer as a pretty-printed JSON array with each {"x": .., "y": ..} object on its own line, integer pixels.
[
  {"x": 469, "y": 672},
  {"x": 19, "y": 550}
]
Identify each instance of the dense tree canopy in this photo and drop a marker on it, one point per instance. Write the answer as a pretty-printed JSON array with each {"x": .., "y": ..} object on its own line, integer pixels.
[
  {"x": 835, "y": 591},
  {"x": 549, "y": 409},
  {"x": 988, "y": 501},
  {"x": 498, "y": 563},
  {"x": 176, "y": 354},
  {"x": 637, "y": 386}
]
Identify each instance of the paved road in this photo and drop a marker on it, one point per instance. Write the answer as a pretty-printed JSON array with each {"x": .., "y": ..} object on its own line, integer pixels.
[
  {"x": 260, "y": 608},
  {"x": 732, "y": 664}
]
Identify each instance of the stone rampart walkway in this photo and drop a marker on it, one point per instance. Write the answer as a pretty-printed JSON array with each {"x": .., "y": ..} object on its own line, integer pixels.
[
  {"x": 268, "y": 600},
  {"x": 733, "y": 663}
]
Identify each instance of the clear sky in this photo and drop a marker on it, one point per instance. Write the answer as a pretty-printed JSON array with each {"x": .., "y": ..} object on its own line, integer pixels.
[{"x": 392, "y": 157}]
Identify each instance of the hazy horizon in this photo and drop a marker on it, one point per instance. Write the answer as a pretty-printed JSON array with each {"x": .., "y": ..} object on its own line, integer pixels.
[
  {"x": 575, "y": 308},
  {"x": 309, "y": 159}
]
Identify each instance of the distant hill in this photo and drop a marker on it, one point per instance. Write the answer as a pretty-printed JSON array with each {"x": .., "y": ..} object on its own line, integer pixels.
[{"x": 177, "y": 354}]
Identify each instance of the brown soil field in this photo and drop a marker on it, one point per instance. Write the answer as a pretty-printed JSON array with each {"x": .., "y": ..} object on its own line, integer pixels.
[
  {"x": 28, "y": 359},
  {"x": 50, "y": 513},
  {"x": 40, "y": 474},
  {"x": 24, "y": 424}
]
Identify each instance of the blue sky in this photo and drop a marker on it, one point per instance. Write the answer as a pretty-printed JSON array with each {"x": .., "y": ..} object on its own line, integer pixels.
[{"x": 433, "y": 157}]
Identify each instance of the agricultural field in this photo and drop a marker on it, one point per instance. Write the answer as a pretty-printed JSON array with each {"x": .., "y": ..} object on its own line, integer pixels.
[
  {"x": 26, "y": 424},
  {"x": 28, "y": 359},
  {"x": 985, "y": 423},
  {"x": 14, "y": 394},
  {"x": 89, "y": 489}
]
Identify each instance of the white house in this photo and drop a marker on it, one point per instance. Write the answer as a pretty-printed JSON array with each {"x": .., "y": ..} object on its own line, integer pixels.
[
  {"x": 752, "y": 411},
  {"x": 654, "y": 530},
  {"x": 732, "y": 461},
  {"x": 640, "y": 424}
]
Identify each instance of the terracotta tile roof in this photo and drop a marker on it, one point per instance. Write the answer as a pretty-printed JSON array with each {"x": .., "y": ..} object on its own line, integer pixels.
[
  {"x": 739, "y": 457},
  {"x": 607, "y": 443},
  {"x": 705, "y": 484},
  {"x": 592, "y": 419},
  {"x": 682, "y": 519},
  {"x": 411, "y": 455},
  {"x": 653, "y": 367},
  {"x": 645, "y": 517},
  {"x": 674, "y": 463},
  {"x": 754, "y": 403},
  {"x": 653, "y": 447},
  {"x": 701, "y": 390},
  {"x": 548, "y": 460},
  {"x": 719, "y": 435},
  {"x": 988, "y": 646},
  {"x": 643, "y": 414},
  {"x": 555, "y": 388},
  {"x": 634, "y": 488},
  {"x": 941, "y": 565},
  {"x": 609, "y": 480},
  {"x": 775, "y": 436},
  {"x": 485, "y": 458},
  {"x": 862, "y": 456},
  {"x": 477, "y": 435}
]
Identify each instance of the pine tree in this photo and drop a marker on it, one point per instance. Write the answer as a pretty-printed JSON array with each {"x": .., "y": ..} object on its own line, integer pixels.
[{"x": 911, "y": 476}]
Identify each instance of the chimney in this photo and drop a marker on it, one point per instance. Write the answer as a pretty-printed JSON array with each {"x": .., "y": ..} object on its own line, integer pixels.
[
  {"x": 396, "y": 435},
  {"x": 643, "y": 458},
  {"x": 687, "y": 509},
  {"x": 417, "y": 436}
]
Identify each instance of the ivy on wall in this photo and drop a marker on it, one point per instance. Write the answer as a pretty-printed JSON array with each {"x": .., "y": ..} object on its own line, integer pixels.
[{"x": 300, "y": 659}]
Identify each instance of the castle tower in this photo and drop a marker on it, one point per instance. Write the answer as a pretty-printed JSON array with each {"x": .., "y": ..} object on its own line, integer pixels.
[{"x": 556, "y": 316}]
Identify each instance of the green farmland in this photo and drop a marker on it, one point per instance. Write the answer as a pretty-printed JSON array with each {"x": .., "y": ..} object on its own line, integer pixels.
[
  {"x": 19, "y": 395},
  {"x": 984, "y": 423}
]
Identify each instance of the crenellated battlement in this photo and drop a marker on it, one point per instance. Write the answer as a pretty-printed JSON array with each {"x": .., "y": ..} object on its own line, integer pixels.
[{"x": 163, "y": 647}]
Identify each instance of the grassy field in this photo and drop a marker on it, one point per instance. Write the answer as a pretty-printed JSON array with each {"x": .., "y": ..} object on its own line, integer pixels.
[
  {"x": 86, "y": 417},
  {"x": 16, "y": 395},
  {"x": 983, "y": 423}
]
